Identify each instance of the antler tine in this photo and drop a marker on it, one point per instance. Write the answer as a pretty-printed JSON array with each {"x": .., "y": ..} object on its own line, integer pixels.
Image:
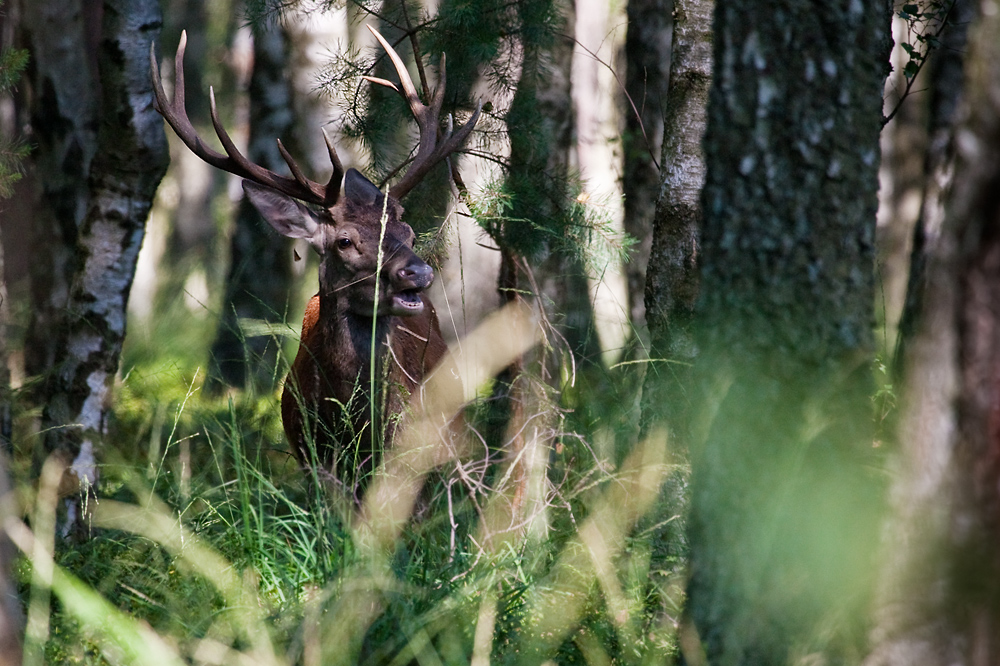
[
  {"x": 437, "y": 97},
  {"x": 333, "y": 186},
  {"x": 409, "y": 91},
  {"x": 293, "y": 166},
  {"x": 422, "y": 164},
  {"x": 332, "y": 189},
  {"x": 179, "y": 87},
  {"x": 175, "y": 113},
  {"x": 430, "y": 150}
]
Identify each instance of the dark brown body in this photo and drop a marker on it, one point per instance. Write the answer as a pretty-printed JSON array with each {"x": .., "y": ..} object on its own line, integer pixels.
[
  {"x": 344, "y": 396},
  {"x": 326, "y": 403}
]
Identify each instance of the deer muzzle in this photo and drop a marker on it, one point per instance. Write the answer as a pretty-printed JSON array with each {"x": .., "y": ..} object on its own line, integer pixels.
[{"x": 408, "y": 282}]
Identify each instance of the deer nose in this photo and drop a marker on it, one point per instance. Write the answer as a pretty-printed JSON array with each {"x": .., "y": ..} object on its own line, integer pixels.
[{"x": 416, "y": 275}]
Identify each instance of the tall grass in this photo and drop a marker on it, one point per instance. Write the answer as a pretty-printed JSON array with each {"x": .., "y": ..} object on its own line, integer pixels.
[{"x": 211, "y": 546}]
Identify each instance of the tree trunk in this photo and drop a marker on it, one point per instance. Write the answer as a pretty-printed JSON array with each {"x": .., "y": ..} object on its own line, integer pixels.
[
  {"x": 598, "y": 123},
  {"x": 647, "y": 76},
  {"x": 130, "y": 160},
  {"x": 672, "y": 278},
  {"x": 6, "y": 424},
  {"x": 61, "y": 37},
  {"x": 784, "y": 492},
  {"x": 939, "y": 593},
  {"x": 193, "y": 241},
  {"x": 545, "y": 90},
  {"x": 901, "y": 178},
  {"x": 11, "y": 615},
  {"x": 260, "y": 271},
  {"x": 539, "y": 124},
  {"x": 945, "y": 83}
]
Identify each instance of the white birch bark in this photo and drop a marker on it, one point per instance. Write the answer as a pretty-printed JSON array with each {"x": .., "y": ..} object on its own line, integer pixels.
[
  {"x": 130, "y": 160},
  {"x": 672, "y": 276}
]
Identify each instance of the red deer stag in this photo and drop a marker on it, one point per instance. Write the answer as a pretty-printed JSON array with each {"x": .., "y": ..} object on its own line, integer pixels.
[{"x": 332, "y": 413}]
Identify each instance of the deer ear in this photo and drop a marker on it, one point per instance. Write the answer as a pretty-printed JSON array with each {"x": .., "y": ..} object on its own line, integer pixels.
[
  {"x": 287, "y": 216},
  {"x": 362, "y": 191}
]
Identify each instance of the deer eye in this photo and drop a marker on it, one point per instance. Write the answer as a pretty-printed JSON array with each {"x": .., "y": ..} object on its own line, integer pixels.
[{"x": 343, "y": 243}]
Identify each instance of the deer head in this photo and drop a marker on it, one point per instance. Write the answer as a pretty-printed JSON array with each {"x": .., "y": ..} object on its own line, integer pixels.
[
  {"x": 343, "y": 230},
  {"x": 347, "y": 238}
]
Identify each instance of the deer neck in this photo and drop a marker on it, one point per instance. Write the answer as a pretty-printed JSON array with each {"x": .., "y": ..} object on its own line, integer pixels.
[{"x": 350, "y": 335}]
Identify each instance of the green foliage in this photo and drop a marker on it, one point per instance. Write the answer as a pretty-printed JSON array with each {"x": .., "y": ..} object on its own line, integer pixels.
[
  {"x": 12, "y": 152},
  {"x": 12, "y": 63},
  {"x": 583, "y": 230},
  {"x": 925, "y": 23},
  {"x": 11, "y": 155},
  {"x": 261, "y": 13}
]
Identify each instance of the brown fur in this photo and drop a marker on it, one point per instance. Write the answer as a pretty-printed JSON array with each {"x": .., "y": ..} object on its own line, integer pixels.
[
  {"x": 325, "y": 378},
  {"x": 344, "y": 396}
]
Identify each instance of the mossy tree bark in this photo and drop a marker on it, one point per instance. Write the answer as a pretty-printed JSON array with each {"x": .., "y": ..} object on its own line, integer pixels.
[{"x": 785, "y": 495}]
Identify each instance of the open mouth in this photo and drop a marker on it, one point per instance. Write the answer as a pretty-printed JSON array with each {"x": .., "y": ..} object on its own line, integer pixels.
[{"x": 407, "y": 302}]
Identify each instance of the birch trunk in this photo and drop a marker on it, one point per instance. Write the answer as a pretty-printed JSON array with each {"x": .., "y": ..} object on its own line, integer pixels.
[
  {"x": 539, "y": 124},
  {"x": 945, "y": 83},
  {"x": 647, "y": 77},
  {"x": 598, "y": 122},
  {"x": 129, "y": 162},
  {"x": 901, "y": 188},
  {"x": 672, "y": 275}
]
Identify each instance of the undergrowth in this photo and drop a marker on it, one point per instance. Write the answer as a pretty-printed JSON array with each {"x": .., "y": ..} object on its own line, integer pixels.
[{"x": 201, "y": 489}]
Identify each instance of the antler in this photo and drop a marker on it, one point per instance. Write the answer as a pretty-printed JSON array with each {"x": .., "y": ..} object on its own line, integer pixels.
[
  {"x": 431, "y": 150},
  {"x": 233, "y": 161}
]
